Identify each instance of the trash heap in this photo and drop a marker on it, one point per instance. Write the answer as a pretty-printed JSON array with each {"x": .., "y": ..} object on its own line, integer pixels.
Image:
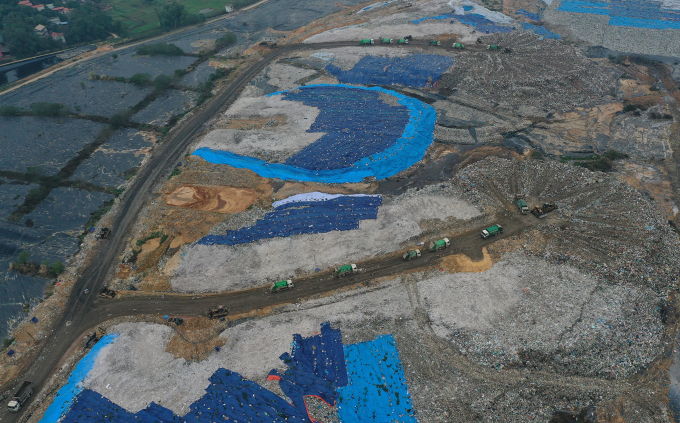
[
  {"x": 630, "y": 13},
  {"x": 415, "y": 70},
  {"x": 309, "y": 217}
]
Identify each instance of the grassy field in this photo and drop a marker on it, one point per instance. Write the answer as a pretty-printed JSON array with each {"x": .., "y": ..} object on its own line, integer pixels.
[{"x": 140, "y": 15}]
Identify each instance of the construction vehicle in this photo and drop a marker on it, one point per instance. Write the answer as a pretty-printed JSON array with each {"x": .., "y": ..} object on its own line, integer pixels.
[
  {"x": 94, "y": 336},
  {"x": 366, "y": 41},
  {"x": 402, "y": 41},
  {"x": 217, "y": 312},
  {"x": 434, "y": 43},
  {"x": 492, "y": 230},
  {"x": 439, "y": 245},
  {"x": 408, "y": 37},
  {"x": 103, "y": 233},
  {"x": 541, "y": 212},
  {"x": 479, "y": 41},
  {"x": 281, "y": 285},
  {"x": 345, "y": 270},
  {"x": 20, "y": 397},
  {"x": 411, "y": 255},
  {"x": 507, "y": 50},
  {"x": 458, "y": 46},
  {"x": 521, "y": 204},
  {"x": 386, "y": 41},
  {"x": 106, "y": 292}
]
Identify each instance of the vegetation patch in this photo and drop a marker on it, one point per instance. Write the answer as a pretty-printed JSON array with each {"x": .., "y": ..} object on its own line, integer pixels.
[
  {"x": 602, "y": 163},
  {"x": 160, "y": 49}
]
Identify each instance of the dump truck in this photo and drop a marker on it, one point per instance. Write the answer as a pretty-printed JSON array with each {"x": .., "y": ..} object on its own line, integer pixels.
[
  {"x": 366, "y": 41},
  {"x": 492, "y": 230},
  {"x": 439, "y": 245},
  {"x": 217, "y": 312},
  {"x": 541, "y": 212},
  {"x": 434, "y": 43},
  {"x": 458, "y": 46},
  {"x": 281, "y": 285},
  {"x": 20, "y": 397},
  {"x": 345, "y": 270},
  {"x": 412, "y": 255},
  {"x": 521, "y": 204},
  {"x": 402, "y": 41},
  {"x": 493, "y": 47},
  {"x": 386, "y": 41},
  {"x": 106, "y": 292}
]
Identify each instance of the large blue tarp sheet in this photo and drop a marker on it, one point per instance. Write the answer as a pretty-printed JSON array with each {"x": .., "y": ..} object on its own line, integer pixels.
[
  {"x": 366, "y": 381},
  {"x": 415, "y": 70},
  {"x": 407, "y": 150},
  {"x": 630, "y": 13},
  {"x": 540, "y": 31},
  {"x": 377, "y": 390},
  {"x": 351, "y": 132},
  {"x": 305, "y": 217}
]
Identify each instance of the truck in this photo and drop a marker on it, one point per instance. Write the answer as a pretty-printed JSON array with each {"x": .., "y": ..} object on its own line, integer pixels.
[
  {"x": 493, "y": 47},
  {"x": 402, "y": 41},
  {"x": 345, "y": 270},
  {"x": 521, "y": 204},
  {"x": 541, "y": 212},
  {"x": 217, "y": 312},
  {"x": 439, "y": 244},
  {"x": 411, "y": 255},
  {"x": 458, "y": 46},
  {"x": 20, "y": 397},
  {"x": 434, "y": 43},
  {"x": 492, "y": 230},
  {"x": 281, "y": 285},
  {"x": 366, "y": 42},
  {"x": 386, "y": 41}
]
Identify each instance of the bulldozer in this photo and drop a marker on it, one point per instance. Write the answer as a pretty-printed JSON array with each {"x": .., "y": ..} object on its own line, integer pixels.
[
  {"x": 106, "y": 292},
  {"x": 541, "y": 212},
  {"x": 218, "y": 312}
]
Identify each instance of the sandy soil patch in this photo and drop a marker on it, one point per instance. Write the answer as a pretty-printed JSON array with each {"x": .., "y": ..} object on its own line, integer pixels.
[
  {"x": 195, "y": 339},
  {"x": 253, "y": 122},
  {"x": 462, "y": 263},
  {"x": 216, "y": 199},
  {"x": 150, "y": 245}
]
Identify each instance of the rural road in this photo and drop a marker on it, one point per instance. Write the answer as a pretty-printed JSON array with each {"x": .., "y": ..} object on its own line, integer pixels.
[{"x": 85, "y": 311}]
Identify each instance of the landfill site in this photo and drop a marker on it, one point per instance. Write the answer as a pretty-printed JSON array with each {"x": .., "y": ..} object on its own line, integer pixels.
[{"x": 416, "y": 211}]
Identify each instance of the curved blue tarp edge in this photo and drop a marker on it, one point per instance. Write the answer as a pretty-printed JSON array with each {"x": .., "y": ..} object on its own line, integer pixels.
[{"x": 408, "y": 150}]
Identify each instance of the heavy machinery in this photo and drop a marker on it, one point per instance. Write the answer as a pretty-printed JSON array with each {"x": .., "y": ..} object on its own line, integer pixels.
[
  {"x": 106, "y": 292},
  {"x": 458, "y": 46},
  {"x": 402, "y": 41},
  {"x": 345, "y": 270},
  {"x": 94, "y": 336},
  {"x": 20, "y": 397},
  {"x": 439, "y": 245},
  {"x": 366, "y": 42},
  {"x": 387, "y": 41},
  {"x": 492, "y": 230},
  {"x": 521, "y": 203},
  {"x": 217, "y": 312},
  {"x": 541, "y": 212},
  {"x": 408, "y": 37},
  {"x": 411, "y": 255},
  {"x": 281, "y": 285},
  {"x": 103, "y": 233},
  {"x": 434, "y": 43}
]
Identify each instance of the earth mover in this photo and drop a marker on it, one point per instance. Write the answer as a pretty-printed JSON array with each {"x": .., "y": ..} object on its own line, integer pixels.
[
  {"x": 20, "y": 397},
  {"x": 103, "y": 233},
  {"x": 439, "y": 245},
  {"x": 402, "y": 41},
  {"x": 366, "y": 41},
  {"x": 411, "y": 255},
  {"x": 521, "y": 204},
  {"x": 281, "y": 285},
  {"x": 106, "y": 292},
  {"x": 541, "y": 212},
  {"x": 492, "y": 230},
  {"x": 345, "y": 270},
  {"x": 458, "y": 46},
  {"x": 218, "y": 312}
]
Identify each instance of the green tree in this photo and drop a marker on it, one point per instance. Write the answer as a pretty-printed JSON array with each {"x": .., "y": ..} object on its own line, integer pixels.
[
  {"x": 46, "y": 263},
  {"x": 58, "y": 268},
  {"x": 172, "y": 16},
  {"x": 162, "y": 82},
  {"x": 226, "y": 40},
  {"x": 160, "y": 49},
  {"x": 119, "y": 119},
  {"x": 48, "y": 109},
  {"x": 23, "y": 257},
  {"x": 10, "y": 111},
  {"x": 141, "y": 79}
]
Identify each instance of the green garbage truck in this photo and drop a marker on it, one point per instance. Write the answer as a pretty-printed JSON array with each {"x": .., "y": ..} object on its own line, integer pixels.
[
  {"x": 493, "y": 47},
  {"x": 411, "y": 255},
  {"x": 439, "y": 245},
  {"x": 492, "y": 230},
  {"x": 434, "y": 43},
  {"x": 345, "y": 270},
  {"x": 402, "y": 41},
  {"x": 521, "y": 204},
  {"x": 366, "y": 41},
  {"x": 459, "y": 46},
  {"x": 281, "y": 285},
  {"x": 386, "y": 41}
]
